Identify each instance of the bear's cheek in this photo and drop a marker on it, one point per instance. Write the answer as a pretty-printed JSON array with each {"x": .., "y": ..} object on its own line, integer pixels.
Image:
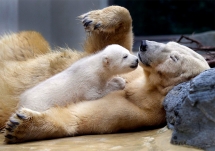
[
  {"x": 169, "y": 68},
  {"x": 158, "y": 60},
  {"x": 143, "y": 59}
]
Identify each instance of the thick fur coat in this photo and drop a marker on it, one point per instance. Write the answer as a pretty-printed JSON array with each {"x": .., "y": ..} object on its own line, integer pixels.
[
  {"x": 138, "y": 105},
  {"x": 87, "y": 79}
]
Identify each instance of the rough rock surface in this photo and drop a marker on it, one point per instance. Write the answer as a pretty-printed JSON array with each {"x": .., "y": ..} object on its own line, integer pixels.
[
  {"x": 190, "y": 111},
  {"x": 206, "y": 38}
]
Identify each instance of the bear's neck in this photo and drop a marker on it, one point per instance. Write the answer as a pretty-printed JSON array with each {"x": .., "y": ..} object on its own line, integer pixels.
[
  {"x": 156, "y": 82},
  {"x": 98, "y": 69},
  {"x": 104, "y": 73}
]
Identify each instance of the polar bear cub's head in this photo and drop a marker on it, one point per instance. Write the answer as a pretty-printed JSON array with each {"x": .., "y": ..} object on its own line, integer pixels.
[
  {"x": 171, "y": 63},
  {"x": 118, "y": 59}
]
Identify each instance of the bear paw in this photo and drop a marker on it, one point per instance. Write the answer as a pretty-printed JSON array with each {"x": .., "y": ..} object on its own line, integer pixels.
[
  {"x": 116, "y": 83},
  {"x": 101, "y": 20},
  {"x": 17, "y": 127},
  {"x": 91, "y": 21}
]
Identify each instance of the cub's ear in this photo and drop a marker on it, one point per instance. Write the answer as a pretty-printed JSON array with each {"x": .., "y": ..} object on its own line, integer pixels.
[{"x": 105, "y": 60}]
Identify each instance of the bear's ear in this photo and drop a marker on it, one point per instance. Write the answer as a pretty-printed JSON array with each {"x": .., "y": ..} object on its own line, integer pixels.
[{"x": 105, "y": 60}]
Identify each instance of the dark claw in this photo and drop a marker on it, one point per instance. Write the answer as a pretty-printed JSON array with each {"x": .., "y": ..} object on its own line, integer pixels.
[
  {"x": 14, "y": 122},
  {"x": 97, "y": 26},
  {"x": 85, "y": 16},
  {"x": 84, "y": 21},
  {"x": 10, "y": 125},
  {"x": 21, "y": 116},
  {"x": 2, "y": 131},
  {"x": 87, "y": 23},
  {"x": 9, "y": 129},
  {"x": 9, "y": 136}
]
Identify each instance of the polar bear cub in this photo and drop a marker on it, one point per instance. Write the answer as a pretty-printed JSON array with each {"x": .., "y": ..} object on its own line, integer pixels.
[{"x": 89, "y": 78}]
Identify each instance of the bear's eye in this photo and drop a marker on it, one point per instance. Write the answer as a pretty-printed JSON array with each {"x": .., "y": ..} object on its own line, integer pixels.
[{"x": 125, "y": 57}]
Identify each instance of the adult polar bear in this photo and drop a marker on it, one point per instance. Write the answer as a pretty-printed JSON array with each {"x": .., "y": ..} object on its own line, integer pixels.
[
  {"x": 138, "y": 105},
  {"x": 89, "y": 78}
]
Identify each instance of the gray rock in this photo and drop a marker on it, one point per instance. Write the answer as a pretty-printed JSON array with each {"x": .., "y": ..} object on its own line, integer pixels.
[
  {"x": 205, "y": 38},
  {"x": 190, "y": 111},
  {"x": 173, "y": 101}
]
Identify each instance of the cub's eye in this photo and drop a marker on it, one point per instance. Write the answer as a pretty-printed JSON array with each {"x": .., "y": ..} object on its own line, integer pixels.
[{"x": 125, "y": 57}]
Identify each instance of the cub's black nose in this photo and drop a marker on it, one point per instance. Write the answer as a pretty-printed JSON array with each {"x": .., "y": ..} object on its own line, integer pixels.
[
  {"x": 137, "y": 61},
  {"x": 143, "y": 45}
]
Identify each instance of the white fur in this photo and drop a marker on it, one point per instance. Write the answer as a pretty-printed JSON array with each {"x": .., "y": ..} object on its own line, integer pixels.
[{"x": 87, "y": 79}]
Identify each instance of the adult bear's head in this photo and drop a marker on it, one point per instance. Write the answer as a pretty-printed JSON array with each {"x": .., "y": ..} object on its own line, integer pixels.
[{"x": 167, "y": 65}]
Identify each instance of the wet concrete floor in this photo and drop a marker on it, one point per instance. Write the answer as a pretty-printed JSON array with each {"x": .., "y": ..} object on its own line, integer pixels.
[{"x": 153, "y": 140}]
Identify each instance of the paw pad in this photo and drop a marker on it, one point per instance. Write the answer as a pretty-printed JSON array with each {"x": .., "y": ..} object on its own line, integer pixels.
[
  {"x": 14, "y": 129},
  {"x": 89, "y": 23}
]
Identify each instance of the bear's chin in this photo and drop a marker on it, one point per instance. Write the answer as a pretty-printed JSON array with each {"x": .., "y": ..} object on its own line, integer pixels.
[
  {"x": 134, "y": 66},
  {"x": 144, "y": 62}
]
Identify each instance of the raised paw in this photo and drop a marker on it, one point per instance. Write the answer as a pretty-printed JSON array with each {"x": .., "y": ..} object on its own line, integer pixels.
[
  {"x": 109, "y": 19},
  {"x": 91, "y": 21},
  {"x": 17, "y": 127},
  {"x": 117, "y": 83}
]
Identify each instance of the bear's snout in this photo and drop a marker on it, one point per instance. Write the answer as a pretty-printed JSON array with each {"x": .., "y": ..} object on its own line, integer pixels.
[
  {"x": 135, "y": 64},
  {"x": 137, "y": 61},
  {"x": 143, "y": 45}
]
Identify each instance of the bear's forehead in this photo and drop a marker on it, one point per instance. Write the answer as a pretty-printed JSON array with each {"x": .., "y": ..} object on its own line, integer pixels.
[
  {"x": 173, "y": 46},
  {"x": 179, "y": 48},
  {"x": 117, "y": 50},
  {"x": 183, "y": 50}
]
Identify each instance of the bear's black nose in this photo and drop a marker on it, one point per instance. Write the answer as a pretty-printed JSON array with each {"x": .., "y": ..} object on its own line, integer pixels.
[
  {"x": 137, "y": 61},
  {"x": 143, "y": 45}
]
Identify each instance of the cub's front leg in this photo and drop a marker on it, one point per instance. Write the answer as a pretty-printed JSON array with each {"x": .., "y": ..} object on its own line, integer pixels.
[{"x": 116, "y": 83}]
